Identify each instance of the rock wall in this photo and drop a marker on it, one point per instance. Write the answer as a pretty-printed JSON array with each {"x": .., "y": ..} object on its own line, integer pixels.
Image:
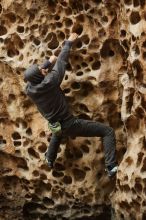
[{"x": 105, "y": 81}]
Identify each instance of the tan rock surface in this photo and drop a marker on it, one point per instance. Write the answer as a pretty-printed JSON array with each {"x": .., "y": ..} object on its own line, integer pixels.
[{"x": 105, "y": 81}]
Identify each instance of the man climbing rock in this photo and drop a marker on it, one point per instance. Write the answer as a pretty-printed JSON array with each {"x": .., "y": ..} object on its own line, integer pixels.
[{"x": 43, "y": 87}]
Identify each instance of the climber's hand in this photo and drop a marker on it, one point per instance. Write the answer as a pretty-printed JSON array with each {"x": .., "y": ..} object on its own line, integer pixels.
[
  {"x": 44, "y": 71},
  {"x": 73, "y": 37},
  {"x": 53, "y": 59}
]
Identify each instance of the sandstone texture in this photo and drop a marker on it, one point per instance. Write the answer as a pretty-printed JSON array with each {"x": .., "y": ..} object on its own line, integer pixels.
[{"x": 105, "y": 81}]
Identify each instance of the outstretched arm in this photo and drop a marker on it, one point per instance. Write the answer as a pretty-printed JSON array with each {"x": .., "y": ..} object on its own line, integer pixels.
[{"x": 58, "y": 71}]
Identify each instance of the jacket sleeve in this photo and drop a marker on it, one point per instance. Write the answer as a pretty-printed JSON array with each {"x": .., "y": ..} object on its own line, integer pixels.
[
  {"x": 46, "y": 64},
  {"x": 56, "y": 76}
]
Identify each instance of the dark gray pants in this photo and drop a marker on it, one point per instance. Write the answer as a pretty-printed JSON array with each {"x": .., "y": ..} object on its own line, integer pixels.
[{"x": 85, "y": 128}]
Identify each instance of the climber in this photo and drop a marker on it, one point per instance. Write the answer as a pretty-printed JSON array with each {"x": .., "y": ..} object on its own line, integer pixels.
[{"x": 43, "y": 87}]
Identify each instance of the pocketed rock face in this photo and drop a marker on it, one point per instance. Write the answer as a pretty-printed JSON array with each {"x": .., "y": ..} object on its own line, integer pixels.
[{"x": 105, "y": 81}]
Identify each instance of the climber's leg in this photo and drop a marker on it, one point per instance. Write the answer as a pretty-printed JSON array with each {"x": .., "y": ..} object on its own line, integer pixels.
[{"x": 86, "y": 128}]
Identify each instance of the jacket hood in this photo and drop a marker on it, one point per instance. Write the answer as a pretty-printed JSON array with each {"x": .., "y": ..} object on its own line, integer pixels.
[{"x": 33, "y": 75}]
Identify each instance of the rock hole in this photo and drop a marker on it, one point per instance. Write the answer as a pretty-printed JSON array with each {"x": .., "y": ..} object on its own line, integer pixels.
[
  {"x": 21, "y": 163},
  {"x": 11, "y": 98},
  {"x": 80, "y": 18},
  {"x": 66, "y": 91},
  {"x": 144, "y": 215},
  {"x": 83, "y": 108},
  {"x": 144, "y": 55},
  {"x": 84, "y": 52},
  {"x": 77, "y": 153},
  {"x": 85, "y": 148},
  {"x": 124, "y": 205},
  {"x": 87, "y": 168},
  {"x": 142, "y": 3},
  {"x": 79, "y": 175},
  {"x": 42, "y": 148},
  {"x": 29, "y": 131},
  {"x": 78, "y": 44},
  {"x": 1, "y": 80},
  {"x": 68, "y": 153},
  {"x": 27, "y": 103},
  {"x": 36, "y": 41},
  {"x": 57, "y": 174},
  {"x": 75, "y": 85},
  {"x": 80, "y": 73},
  {"x": 87, "y": 7},
  {"x": 101, "y": 33},
  {"x": 35, "y": 173},
  {"x": 33, "y": 153},
  {"x": 143, "y": 169},
  {"x": 68, "y": 11},
  {"x": 85, "y": 39},
  {"x": 1, "y": 8},
  {"x": 144, "y": 44},
  {"x": 68, "y": 22},
  {"x": 48, "y": 187},
  {"x": 18, "y": 153},
  {"x": 137, "y": 51},
  {"x": 99, "y": 175},
  {"x": 17, "y": 143},
  {"x": 96, "y": 65},
  {"x": 2, "y": 141},
  {"x": 20, "y": 29},
  {"x": 42, "y": 134},
  {"x": 3, "y": 30},
  {"x": 58, "y": 24},
  {"x": 128, "y": 2},
  {"x": 57, "y": 17},
  {"x": 45, "y": 167},
  {"x": 139, "y": 70},
  {"x": 48, "y": 202},
  {"x": 21, "y": 123},
  {"x": 31, "y": 16},
  {"x": 122, "y": 216},
  {"x": 61, "y": 36},
  {"x": 28, "y": 196},
  {"x": 67, "y": 180},
  {"x": 11, "y": 16},
  {"x": 1, "y": 40},
  {"x": 34, "y": 26},
  {"x": 126, "y": 188},
  {"x": 129, "y": 160},
  {"x": 68, "y": 67},
  {"x": 140, "y": 157},
  {"x": 135, "y": 17},
  {"x": 78, "y": 29},
  {"x": 105, "y": 19},
  {"x": 16, "y": 136},
  {"x": 86, "y": 88},
  {"x": 140, "y": 112},
  {"x": 138, "y": 187},
  {"x": 136, "y": 3},
  {"x": 87, "y": 142},
  {"x": 84, "y": 64},
  {"x": 43, "y": 176},
  {"x": 20, "y": 59},
  {"x": 26, "y": 142},
  {"x": 123, "y": 33},
  {"x": 12, "y": 52},
  {"x": 59, "y": 167},
  {"x": 111, "y": 53},
  {"x": 66, "y": 77}
]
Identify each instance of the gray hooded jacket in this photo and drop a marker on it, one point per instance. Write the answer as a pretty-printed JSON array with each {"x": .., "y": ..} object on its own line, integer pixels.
[{"x": 45, "y": 92}]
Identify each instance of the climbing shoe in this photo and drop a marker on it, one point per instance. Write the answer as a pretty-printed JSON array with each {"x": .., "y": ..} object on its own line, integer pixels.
[
  {"x": 49, "y": 162},
  {"x": 112, "y": 170}
]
